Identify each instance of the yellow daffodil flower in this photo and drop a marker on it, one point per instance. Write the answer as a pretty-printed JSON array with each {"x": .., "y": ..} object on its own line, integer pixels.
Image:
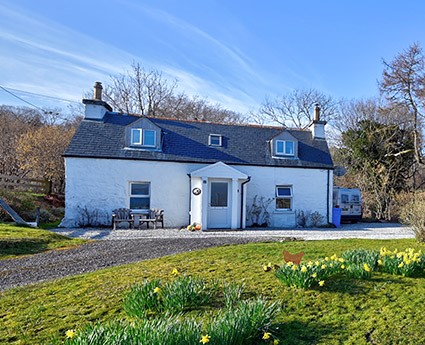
[
  {"x": 314, "y": 275},
  {"x": 366, "y": 267},
  {"x": 267, "y": 335},
  {"x": 175, "y": 272},
  {"x": 205, "y": 339},
  {"x": 294, "y": 268},
  {"x": 157, "y": 290},
  {"x": 70, "y": 333},
  {"x": 303, "y": 269},
  {"x": 324, "y": 266},
  {"x": 276, "y": 342},
  {"x": 342, "y": 266},
  {"x": 401, "y": 264},
  {"x": 380, "y": 263},
  {"x": 321, "y": 283}
]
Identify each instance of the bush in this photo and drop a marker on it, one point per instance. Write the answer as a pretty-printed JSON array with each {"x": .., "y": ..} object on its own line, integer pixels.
[
  {"x": 360, "y": 263},
  {"x": 144, "y": 299},
  {"x": 311, "y": 274},
  {"x": 407, "y": 263},
  {"x": 153, "y": 297},
  {"x": 413, "y": 214}
]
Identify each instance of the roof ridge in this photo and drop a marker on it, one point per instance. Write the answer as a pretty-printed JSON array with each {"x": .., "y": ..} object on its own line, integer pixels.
[{"x": 210, "y": 122}]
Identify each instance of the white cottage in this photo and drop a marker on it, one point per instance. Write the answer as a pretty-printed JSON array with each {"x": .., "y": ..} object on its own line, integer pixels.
[{"x": 219, "y": 175}]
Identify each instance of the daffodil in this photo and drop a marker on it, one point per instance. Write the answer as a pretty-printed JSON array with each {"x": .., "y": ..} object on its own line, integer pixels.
[
  {"x": 303, "y": 269},
  {"x": 205, "y": 339},
  {"x": 314, "y": 275},
  {"x": 380, "y": 263},
  {"x": 342, "y": 266},
  {"x": 267, "y": 335},
  {"x": 276, "y": 342},
  {"x": 366, "y": 267},
  {"x": 294, "y": 268},
  {"x": 70, "y": 333},
  {"x": 157, "y": 290},
  {"x": 321, "y": 283},
  {"x": 341, "y": 260},
  {"x": 175, "y": 272},
  {"x": 324, "y": 266},
  {"x": 400, "y": 265}
]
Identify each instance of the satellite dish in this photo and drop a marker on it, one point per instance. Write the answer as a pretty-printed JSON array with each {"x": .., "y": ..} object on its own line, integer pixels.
[{"x": 340, "y": 171}]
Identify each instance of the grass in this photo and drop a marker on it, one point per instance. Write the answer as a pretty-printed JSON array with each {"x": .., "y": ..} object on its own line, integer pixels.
[
  {"x": 17, "y": 241},
  {"x": 385, "y": 309}
]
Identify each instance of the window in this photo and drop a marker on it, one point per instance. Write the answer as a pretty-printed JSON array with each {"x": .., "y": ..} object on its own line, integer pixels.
[
  {"x": 284, "y": 147},
  {"x": 144, "y": 137},
  {"x": 214, "y": 140},
  {"x": 140, "y": 198},
  {"x": 136, "y": 136},
  {"x": 219, "y": 194},
  {"x": 149, "y": 137},
  {"x": 284, "y": 197}
]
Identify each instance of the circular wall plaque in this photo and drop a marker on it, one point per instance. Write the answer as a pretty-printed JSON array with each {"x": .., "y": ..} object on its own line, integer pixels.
[{"x": 196, "y": 191}]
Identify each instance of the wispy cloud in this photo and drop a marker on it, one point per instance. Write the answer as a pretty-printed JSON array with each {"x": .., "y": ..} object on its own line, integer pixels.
[{"x": 43, "y": 56}]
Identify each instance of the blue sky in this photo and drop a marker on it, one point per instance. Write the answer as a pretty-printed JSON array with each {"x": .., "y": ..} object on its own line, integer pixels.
[{"x": 232, "y": 52}]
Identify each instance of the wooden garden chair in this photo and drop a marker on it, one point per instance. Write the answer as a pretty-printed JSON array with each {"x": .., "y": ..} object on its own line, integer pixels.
[{"x": 122, "y": 215}]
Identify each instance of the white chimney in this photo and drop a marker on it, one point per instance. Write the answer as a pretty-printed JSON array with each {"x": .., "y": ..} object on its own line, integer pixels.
[
  {"x": 96, "y": 108},
  {"x": 317, "y": 126}
]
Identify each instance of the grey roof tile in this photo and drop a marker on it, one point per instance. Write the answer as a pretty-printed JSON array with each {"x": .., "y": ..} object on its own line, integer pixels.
[{"x": 186, "y": 141}]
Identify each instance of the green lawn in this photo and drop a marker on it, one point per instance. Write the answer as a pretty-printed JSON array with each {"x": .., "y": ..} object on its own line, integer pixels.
[
  {"x": 383, "y": 310},
  {"x": 17, "y": 241}
]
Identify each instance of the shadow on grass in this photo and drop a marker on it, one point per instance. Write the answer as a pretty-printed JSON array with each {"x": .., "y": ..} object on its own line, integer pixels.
[
  {"x": 353, "y": 286},
  {"x": 301, "y": 333},
  {"x": 23, "y": 246}
]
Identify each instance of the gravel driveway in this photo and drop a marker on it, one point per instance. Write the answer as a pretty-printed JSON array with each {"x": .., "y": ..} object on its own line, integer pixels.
[{"x": 124, "y": 246}]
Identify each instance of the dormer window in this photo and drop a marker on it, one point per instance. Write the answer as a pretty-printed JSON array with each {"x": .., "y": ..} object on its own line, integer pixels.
[
  {"x": 215, "y": 140},
  {"x": 143, "y": 137},
  {"x": 285, "y": 147}
]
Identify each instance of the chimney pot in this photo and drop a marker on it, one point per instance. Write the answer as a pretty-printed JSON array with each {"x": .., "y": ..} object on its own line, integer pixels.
[
  {"x": 316, "y": 112},
  {"x": 97, "y": 94}
]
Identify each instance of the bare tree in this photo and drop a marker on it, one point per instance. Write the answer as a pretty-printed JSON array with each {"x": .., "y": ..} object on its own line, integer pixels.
[
  {"x": 403, "y": 84},
  {"x": 296, "y": 108},
  {"x": 139, "y": 91},
  {"x": 15, "y": 121},
  {"x": 148, "y": 93}
]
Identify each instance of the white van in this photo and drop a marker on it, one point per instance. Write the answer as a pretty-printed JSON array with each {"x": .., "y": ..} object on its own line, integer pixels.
[{"x": 349, "y": 200}]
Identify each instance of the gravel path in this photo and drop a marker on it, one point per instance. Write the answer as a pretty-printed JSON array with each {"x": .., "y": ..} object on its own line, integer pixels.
[
  {"x": 124, "y": 246},
  {"x": 100, "y": 254}
]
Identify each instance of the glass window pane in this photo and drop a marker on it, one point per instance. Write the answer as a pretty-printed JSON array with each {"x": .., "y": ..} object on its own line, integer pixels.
[
  {"x": 355, "y": 198},
  {"x": 283, "y": 203},
  {"x": 140, "y": 189},
  {"x": 344, "y": 198},
  {"x": 218, "y": 194},
  {"x": 215, "y": 140},
  {"x": 149, "y": 137},
  {"x": 137, "y": 203},
  {"x": 283, "y": 191},
  {"x": 279, "y": 147},
  {"x": 135, "y": 136},
  {"x": 289, "y": 147}
]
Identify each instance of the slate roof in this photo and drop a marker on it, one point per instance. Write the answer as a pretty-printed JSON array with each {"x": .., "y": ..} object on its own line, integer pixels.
[{"x": 187, "y": 141}]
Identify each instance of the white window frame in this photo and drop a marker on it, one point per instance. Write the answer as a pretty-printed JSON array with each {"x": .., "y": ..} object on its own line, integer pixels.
[
  {"x": 283, "y": 152},
  {"x": 140, "y": 195},
  {"x": 133, "y": 130},
  {"x": 142, "y": 133},
  {"x": 290, "y": 197},
  {"x": 219, "y": 139},
  {"x": 154, "y": 137}
]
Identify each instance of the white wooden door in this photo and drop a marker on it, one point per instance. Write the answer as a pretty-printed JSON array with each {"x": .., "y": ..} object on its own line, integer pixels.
[{"x": 219, "y": 209}]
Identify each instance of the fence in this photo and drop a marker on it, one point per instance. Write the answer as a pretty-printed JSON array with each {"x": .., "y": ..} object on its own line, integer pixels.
[{"x": 17, "y": 183}]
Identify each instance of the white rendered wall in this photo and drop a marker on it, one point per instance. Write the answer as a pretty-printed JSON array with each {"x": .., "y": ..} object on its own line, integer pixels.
[
  {"x": 309, "y": 188},
  {"x": 102, "y": 185}
]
